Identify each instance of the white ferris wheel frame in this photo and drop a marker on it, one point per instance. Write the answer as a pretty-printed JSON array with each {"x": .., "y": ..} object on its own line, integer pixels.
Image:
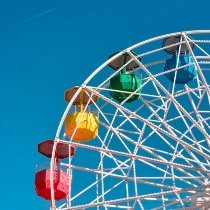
[{"x": 159, "y": 159}]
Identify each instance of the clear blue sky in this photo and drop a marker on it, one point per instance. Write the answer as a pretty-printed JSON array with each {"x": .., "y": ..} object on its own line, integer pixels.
[{"x": 49, "y": 46}]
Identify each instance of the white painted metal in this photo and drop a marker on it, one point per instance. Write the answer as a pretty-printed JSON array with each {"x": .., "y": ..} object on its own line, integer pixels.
[{"x": 152, "y": 153}]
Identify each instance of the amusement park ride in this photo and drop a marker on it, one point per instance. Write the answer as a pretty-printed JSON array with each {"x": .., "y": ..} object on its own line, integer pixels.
[{"x": 137, "y": 138}]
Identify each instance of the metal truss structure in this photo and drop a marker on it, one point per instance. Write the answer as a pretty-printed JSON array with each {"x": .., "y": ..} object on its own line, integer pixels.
[{"x": 152, "y": 153}]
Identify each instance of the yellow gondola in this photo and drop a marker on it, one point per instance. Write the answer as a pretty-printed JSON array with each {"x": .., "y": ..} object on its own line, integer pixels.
[{"x": 81, "y": 126}]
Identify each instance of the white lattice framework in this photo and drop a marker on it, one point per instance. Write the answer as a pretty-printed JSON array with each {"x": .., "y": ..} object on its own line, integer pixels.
[{"x": 152, "y": 153}]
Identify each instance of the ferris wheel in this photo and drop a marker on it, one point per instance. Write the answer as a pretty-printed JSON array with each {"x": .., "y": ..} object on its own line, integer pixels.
[{"x": 136, "y": 134}]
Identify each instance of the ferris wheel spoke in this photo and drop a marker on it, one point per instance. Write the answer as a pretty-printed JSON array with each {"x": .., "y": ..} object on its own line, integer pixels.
[
  {"x": 173, "y": 176},
  {"x": 195, "y": 109},
  {"x": 206, "y": 55},
  {"x": 201, "y": 100}
]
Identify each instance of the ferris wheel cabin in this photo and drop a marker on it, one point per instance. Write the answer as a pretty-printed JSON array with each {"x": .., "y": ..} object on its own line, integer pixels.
[
  {"x": 124, "y": 84},
  {"x": 180, "y": 57},
  {"x": 81, "y": 126},
  {"x": 61, "y": 177}
]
